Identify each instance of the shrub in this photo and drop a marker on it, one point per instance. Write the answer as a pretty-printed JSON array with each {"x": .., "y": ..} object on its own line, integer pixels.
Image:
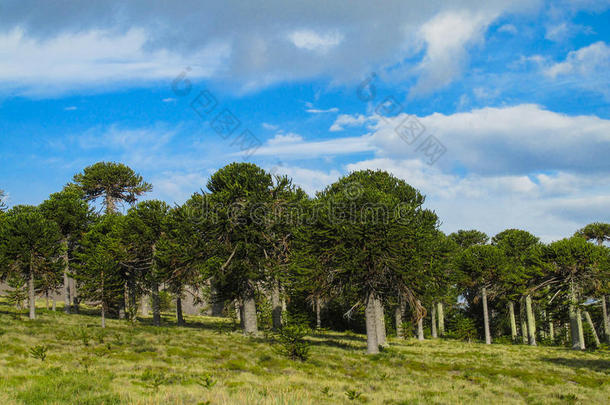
[
  {"x": 291, "y": 343},
  {"x": 462, "y": 328},
  {"x": 39, "y": 352}
]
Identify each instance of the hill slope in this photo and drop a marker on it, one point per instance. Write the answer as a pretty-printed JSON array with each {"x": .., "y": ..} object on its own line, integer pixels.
[{"x": 207, "y": 363}]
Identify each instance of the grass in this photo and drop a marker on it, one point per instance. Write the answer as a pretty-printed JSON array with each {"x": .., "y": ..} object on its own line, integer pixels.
[{"x": 203, "y": 363}]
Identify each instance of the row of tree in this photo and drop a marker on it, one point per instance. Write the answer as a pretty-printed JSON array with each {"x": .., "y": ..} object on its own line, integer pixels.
[{"x": 362, "y": 248}]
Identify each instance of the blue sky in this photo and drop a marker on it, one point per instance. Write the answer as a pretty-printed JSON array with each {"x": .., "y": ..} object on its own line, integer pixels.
[{"x": 512, "y": 98}]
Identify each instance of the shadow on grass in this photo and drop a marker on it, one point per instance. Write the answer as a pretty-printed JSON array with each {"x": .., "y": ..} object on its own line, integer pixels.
[{"x": 592, "y": 364}]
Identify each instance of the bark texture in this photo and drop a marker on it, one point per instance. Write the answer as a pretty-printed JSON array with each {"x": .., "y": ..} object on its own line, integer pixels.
[
  {"x": 441, "y": 319},
  {"x": 485, "y": 315},
  {"x": 531, "y": 321},
  {"x": 380, "y": 322},
  {"x": 433, "y": 320},
  {"x": 31, "y": 295},
  {"x": 606, "y": 318},
  {"x": 592, "y": 326},
  {"x": 513, "y": 322},
  {"x": 318, "y": 305},
  {"x": 156, "y": 304},
  {"x": 370, "y": 313},
  {"x": 249, "y": 314},
  {"x": 276, "y": 306},
  {"x": 523, "y": 320},
  {"x": 420, "y": 326},
  {"x": 179, "y": 317},
  {"x": 66, "y": 278}
]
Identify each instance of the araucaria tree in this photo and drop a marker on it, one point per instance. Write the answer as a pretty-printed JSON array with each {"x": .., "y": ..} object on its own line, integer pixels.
[
  {"x": 238, "y": 192},
  {"x": 68, "y": 210},
  {"x": 143, "y": 227},
  {"x": 369, "y": 216},
  {"x": 30, "y": 245},
  {"x": 114, "y": 182}
]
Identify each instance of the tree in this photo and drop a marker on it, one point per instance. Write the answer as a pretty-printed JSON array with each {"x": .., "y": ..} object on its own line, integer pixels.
[
  {"x": 481, "y": 266},
  {"x": 114, "y": 182},
  {"x": 72, "y": 214},
  {"x": 30, "y": 244},
  {"x": 574, "y": 264},
  {"x": 520, "y": 276},
  {"x": 143, "y": 227},
  {"x": 472, "y": 237},
  {"x": 2, "y": 202},
  {"x": 600, "y": 233},
  {"x": 369, "y": 218},
  {"x": 99, "y": 269}
]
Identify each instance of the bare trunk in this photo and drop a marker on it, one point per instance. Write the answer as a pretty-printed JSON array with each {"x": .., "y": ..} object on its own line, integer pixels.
[
  {"x": 276, "y": 306},
  {"x": 513, "y": 323},
  {"x": 441, "y": 318},
  {"x": 380, "y": 322},
  {"x": 592, "y": 326},
  {"x": 318, "y": 305},
  {"x": 122, "y": 303},
  {"x": 400, "y": 309},
  {"x": 485, "y": 316},
  {"x": 606, "y": 319},
  {"x": 578, "y": 342},
  {"x": 179, "y": 317},
  {"x": 31, "y": 294},
  {"x": 433, "y": 320},
  {"x": 46, "y": 298},
  {"x": 132, "y": 302},
  {"x": 581, "y": 333},
  {"x": 66, "y": 278},
  {"x": 156, "y": 304},
  {"x": 110, "y": 204},
  {"x": 73, "y": 296},
  {"x": 420, "y": 326},
  {"x": 103, "y": 315},
  {"x": 54, "y": 305},
  {"x": 370, "y": 313},
  {"x": 531, "y": 321},
  {"x": 249, "y": 314},
  {"x": 238, "y": 316},
  {"x": 144, "y": 305},
  {"x": 551, "y": 328},
  {"x": 523, "y": 320}
]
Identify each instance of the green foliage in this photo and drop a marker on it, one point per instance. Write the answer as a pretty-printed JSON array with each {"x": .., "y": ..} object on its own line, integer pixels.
[
  {"x": 462, "y": 328},
  {"x": 206, "y": 381},
  {"x": 466, "y": 239},
  {"x": 290, "y": 340},
  {"x": 353, "y": 395},
  {"x": 112, "y": 181},
  {"x": 39, "y": 352},
  {"x": 17, "y": 292}
]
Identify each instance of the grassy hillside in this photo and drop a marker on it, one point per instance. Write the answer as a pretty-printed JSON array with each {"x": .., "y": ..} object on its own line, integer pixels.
[{"x": 206, "y": 362}]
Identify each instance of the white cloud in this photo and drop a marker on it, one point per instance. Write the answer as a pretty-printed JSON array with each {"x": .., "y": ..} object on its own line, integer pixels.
[
  {"x": 72, "y": 60},
  {"x": 169, "y": 100},
  {"x": 588, "y": 61},
  {"x": 447, "y": 37},
  {"x": 63, "y": 47},
  {"x": 269, "y": 127},
  {"x": 346, "y": 120},
  {"x": 70, "y": 108},
  {"x": 508, "y": 28},
  {"x": 313, "y": 41},
  {"x": 321, "y": 111},
  {"x": 288, "y": 138}
]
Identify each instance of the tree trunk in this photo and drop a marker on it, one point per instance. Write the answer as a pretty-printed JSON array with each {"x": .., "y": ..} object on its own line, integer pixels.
[
  {"x": 276, "y": 306},
  {"x": 103, "y": 315},
  {"x": 133, "y": 305},
  {"x": 103, "y": 301},
  {"x": 400, "y": 309},
  {"x": 531, "y": 321},
  {"x": 513, "y": 323},
  {"x": 551, "y": 329},
  {"x": 523, "y": 320},
  {"x": 110, "y": 204},
  {"x": 606, "y": 319},
  {"x": 238, "y": 316},
  {"x": 156, "y": 304},
  {"x": 144, "y": 305},
  {"x": 318, "y": 305},
  {"x": 249, "y": 314},
  {"x": 581, "y": 333},
  {"x": 433, "y": 320},
  {"x": 46, "y": 298},
  {"x": 73, "y": 296},
  {"x": 31, "y": 294},
  {"x": 575, "y": 321},
  {"x": 420, "y": 326},
  {"x": 441, "y": 319},
  {"x": 66, "y": 278},
  {"x": 592, "y": 326},
  {"x": 54, "y": 307},
  {"x": 370, "y": 313},
  {"x": 179, "y": 317},
  {"x": 380, "y": 322},
  {"x": 485, "y": 316}
]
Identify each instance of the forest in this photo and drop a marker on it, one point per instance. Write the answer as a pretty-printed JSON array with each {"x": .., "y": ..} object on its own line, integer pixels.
[{"x": 363, "y": 255}]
